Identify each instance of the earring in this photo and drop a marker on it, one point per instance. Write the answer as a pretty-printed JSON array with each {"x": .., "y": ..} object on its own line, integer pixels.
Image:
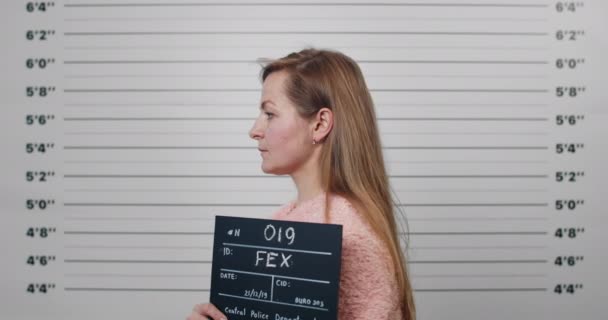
[{"x": 314, "y": 141}]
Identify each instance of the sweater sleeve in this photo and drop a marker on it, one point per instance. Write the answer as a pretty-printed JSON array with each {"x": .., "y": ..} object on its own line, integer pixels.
[{"x": 367, "y": 289}]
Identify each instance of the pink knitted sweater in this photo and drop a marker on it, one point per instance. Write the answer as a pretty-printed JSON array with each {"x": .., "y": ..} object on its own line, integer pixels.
[{"x": 367, "y": 289}]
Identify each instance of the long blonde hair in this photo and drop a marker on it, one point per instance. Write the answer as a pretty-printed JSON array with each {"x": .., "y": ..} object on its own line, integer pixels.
[{"x": 352, "y": 163}]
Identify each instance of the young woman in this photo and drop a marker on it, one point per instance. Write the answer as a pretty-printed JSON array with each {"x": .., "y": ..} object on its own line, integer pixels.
[{"x": 317, "y": 124}]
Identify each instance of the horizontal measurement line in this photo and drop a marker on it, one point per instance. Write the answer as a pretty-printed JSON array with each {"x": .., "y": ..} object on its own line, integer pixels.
[
  {"x": 110, "y": 204},
  {"x": 133, "y": 261},
  {"x": 211, "y": 218},
  {"x": 497, "y": 233},
  {"x": 255, "y": 148},
  {"x": 152, "y": 119},
  {"x": 165, "y": 176},
  {"x": 460, "y": 119},
  {"x": 137, "y": 247},
  {"x": 257, "y": 90},
  {"x": 177, "y": 204},
  {"x": 474, "y": 205},
  {"x": 165, "y": 104},
  {"x": 465, "y": 90},
  {"x": 440, "y": 133},
  {"x": 479, "y": 275},
  {"x": 208, "y": 247},
  {"x": 136, "y": 233},
  {"x": 464, "y": 161},
  {"x": 372, "y": 18},
  {"x": 160, "y": 90},
  {"x": 240, "y": 133},
  {"x": 452, "y": 76},
  {"x": 151, "y": 147},
  {"x": 201, "y": 104},
  {"x": 134, "y": 275},
  {"x": 483, "y": 290},
  {"x": 401, "y": 190},
  {"x": 275, "y": 176},
  {"x": 257, "y": 161},
  {"x": 343, "y": 47},
  {"x": 179, "y": 190},
  {"x": 215, "y": 76},
  {"x": 427, "y": 33},
  {"x": 475, "y": 261},
  {"x": 332, "y": 4},
  {"x": 543, "y": 62},
  {"x": 478, "y": 219},
  {"x": 473, "y": 176},
  {"x": 160, "y": 161},
  {"x": 253, "y": 119},
  {"x": 475, "y": 247},
  {"x": 138, "y": 219},
  {"x": 135, "y": 289},
  {"x": 148, "y": 76},
  {"x": 219, "y": 190}
]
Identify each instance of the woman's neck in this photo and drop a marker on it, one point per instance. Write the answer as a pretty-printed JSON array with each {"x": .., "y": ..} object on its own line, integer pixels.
[{"x": 308, "y": 185}]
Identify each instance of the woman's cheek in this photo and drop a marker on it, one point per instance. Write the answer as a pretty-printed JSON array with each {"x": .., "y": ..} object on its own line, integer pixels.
[{"x": 277, "y": 136}]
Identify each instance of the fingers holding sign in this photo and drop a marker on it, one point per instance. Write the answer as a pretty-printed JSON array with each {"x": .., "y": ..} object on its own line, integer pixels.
[{"x": 205, "y": 311}]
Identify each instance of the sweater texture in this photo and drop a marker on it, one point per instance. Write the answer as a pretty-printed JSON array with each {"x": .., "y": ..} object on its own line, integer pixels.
[{"x": 367, "y": 280}]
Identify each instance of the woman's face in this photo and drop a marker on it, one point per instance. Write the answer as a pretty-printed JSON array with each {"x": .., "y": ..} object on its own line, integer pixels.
[{"x": 284, "y": 137}]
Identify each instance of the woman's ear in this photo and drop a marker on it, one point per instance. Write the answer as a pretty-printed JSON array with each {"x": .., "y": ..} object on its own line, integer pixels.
[{"x": 322, "y": 124}]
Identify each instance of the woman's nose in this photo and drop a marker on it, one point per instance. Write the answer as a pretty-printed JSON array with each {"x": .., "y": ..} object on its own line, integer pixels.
[{"x": 256, "y": 131}]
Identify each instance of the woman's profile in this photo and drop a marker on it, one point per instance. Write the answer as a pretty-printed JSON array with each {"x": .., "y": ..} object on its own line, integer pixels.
[{"x": 317, "y": 124}]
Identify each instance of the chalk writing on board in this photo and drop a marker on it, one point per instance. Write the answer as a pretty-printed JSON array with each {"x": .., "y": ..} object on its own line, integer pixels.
[{"x": 260, "y": 270}]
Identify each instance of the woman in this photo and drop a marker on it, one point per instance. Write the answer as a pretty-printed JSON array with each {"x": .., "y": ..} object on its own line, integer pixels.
[{"x": 317, "y": 124}]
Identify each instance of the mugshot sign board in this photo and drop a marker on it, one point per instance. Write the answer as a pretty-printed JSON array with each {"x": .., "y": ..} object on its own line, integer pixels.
[{"x": 271, "y": 269}]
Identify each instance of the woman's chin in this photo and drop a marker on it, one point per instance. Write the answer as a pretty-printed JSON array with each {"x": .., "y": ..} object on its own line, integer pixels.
[
  {"x": 272, "y": 170},
  {"x": 267, "y": 169}
]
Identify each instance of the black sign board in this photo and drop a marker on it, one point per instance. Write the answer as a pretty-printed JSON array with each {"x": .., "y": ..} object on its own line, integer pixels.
[{"x": 275, "y": 270}]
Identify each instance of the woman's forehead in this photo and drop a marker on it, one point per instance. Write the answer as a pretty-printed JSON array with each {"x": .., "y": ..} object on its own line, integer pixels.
[
  {"x": 274, "y": 83},
  {"x": 273, "y": 93}
]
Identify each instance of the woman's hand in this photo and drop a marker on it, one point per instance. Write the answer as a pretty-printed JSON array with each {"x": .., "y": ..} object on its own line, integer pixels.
[{"x": 205, "y": 311}]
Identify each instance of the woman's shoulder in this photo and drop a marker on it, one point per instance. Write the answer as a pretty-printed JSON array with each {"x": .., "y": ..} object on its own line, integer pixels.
[
  {"x": 279, "y": 214},
  {"x": 343, "y": 211},
  {"x": 307, "y": 211}
]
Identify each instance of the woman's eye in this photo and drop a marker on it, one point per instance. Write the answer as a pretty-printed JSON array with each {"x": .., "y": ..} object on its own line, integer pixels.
[{"x": 269, "y": 115}]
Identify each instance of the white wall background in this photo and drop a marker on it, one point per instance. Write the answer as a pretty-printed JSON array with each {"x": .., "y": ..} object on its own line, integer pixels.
[{"x": 149, "y": 111}]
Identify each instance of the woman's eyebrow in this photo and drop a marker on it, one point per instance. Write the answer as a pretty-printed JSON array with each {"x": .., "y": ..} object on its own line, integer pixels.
[{"x": 263, "y": 104}]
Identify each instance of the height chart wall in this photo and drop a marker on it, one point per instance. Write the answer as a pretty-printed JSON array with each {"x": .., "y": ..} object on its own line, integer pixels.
[{"x": 124, "y": 132}]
